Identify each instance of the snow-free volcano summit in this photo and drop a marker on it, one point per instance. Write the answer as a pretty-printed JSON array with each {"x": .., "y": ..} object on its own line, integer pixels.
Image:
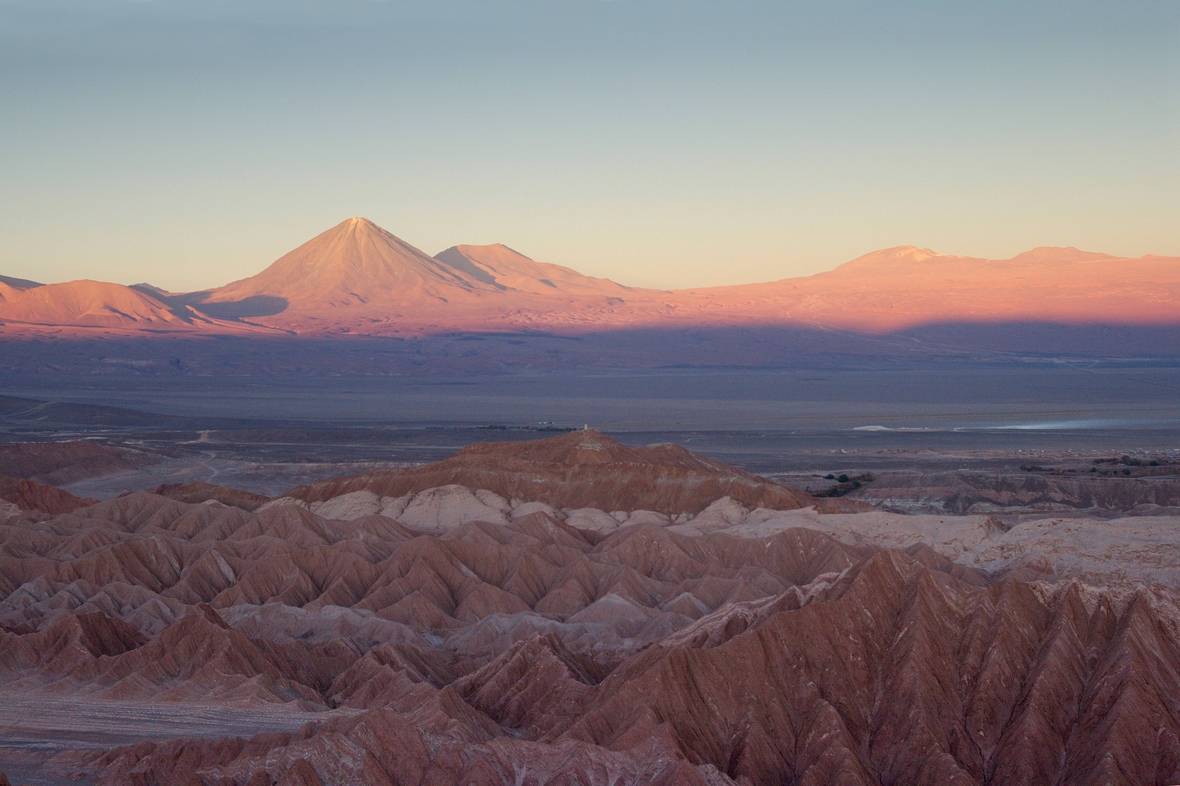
[{"x": 357, "y": 277}]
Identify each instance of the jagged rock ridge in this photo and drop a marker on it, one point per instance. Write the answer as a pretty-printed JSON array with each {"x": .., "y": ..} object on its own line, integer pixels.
[
  {"x": 584, "y": 469},
  {"x": 640, "y": 654}
]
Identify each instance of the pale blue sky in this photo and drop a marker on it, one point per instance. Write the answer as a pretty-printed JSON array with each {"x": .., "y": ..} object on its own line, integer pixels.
[{"x": 191, "y": 142}]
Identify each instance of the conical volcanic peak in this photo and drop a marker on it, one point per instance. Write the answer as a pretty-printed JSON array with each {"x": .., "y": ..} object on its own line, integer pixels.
[
  {"x": 354, "y": 264},
  {"x": 359, "y": 278}
]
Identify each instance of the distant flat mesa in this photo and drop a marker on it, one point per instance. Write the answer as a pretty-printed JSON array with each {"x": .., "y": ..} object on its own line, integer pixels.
[{"x": 358, "y": 279}]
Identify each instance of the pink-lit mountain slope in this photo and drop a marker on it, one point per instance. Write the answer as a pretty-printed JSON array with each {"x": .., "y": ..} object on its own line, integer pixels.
[
  {"x": 357, "y": 278},
  {"x": 507, "y": 269},
  {"x": 905, "y": 287},
  {"x": 91, "y": 304}
]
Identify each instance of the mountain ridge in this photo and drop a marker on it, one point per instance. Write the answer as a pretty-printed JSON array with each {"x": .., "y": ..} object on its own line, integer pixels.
[
  {"x": 468, "y": 644},
  {"x": 359, "y": 279}
]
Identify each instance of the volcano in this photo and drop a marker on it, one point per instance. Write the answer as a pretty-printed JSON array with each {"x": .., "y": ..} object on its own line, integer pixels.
[
  {"x": 357, "y": 277},
  {"x": 355, "y": 265}
]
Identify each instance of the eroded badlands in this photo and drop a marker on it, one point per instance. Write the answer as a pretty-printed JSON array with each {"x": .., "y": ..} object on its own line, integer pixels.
[{"x": 391, "y": 629}]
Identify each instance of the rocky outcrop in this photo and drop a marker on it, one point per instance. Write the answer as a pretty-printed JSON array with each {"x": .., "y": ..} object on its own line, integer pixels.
[
  {"x": 146, "y": 558},
  {"x": 961, "y": 493},
  {"x": 905, "y": 677},
  {"x": 197, "y": 491},
  {"x": 60, "y": 463},
  {"x": 27, "y": 495},
  {"x": 583, "y": 469},
  {"x": 736, "y": 646}
]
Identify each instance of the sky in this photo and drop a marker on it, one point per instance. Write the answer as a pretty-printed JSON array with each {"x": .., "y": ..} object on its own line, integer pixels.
[{"x": 668, "y": 143}]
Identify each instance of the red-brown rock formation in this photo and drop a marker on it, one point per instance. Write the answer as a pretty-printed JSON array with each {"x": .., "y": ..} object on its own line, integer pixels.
[
  {"x": 197, "y": 491},
  {"x": 584, "y": 469},
  {"x": 530, "y": 651},
  {"x": 59, "y": 463},
  {"x": 27, "y": 495}
]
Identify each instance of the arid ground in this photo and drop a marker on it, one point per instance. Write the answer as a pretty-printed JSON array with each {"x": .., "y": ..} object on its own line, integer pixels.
[{"x": 842, "y": 581}]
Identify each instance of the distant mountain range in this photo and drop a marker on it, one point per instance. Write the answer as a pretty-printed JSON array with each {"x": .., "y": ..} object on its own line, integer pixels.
[{"x": 358, "y": 279}]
